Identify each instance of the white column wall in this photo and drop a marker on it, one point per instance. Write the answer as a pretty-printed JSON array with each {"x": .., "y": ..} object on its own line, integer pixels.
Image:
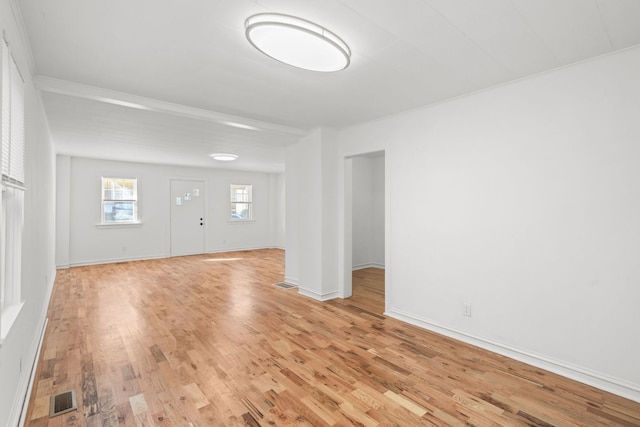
[
  {"x": 277, "y": 209},
  {"x": 292, "y": 236},
  {"x": 309, "y": 207},
  {"x": 329, "y": 203},
  {"x": 312, "y": 215}
]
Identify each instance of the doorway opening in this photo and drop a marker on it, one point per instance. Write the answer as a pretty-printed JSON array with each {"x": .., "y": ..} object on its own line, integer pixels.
[{"x": 365, "y": 218}]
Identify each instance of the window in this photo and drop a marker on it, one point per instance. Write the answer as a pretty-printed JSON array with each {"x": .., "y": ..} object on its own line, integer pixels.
[
  {"x": 119, "y": 200},
  {"x": 12, "y": 207},
  {"x": 241, "y": 203}
]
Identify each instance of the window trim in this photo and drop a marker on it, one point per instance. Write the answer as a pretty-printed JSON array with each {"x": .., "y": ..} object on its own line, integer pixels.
[
  {"x": 136, "y": 211},
  {"x": 119, "y": 224},
  {"x": 8, "y": 316},
  {"x": 13, "y": 189},
  {"x": 251, "y": 217}
]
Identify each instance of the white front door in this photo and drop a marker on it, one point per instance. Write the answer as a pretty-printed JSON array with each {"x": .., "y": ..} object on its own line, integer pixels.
[{"x": 187, "y": 217}]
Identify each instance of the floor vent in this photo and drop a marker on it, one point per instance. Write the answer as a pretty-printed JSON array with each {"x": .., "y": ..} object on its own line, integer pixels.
[
  {"x": 62, "y": 402},
  {"x": 284, "y": 285}
]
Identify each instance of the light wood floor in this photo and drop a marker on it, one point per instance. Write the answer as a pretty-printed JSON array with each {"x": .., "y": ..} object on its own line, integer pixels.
[{"x": 209, "y": 341}]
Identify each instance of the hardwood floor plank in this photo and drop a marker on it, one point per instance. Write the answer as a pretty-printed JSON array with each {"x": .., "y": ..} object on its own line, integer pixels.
[
  {"x": 406, "y": 403},
  {"x": 107, "y": 408},
  {"x": 138, "y": 404},
  {"x": 195, "y": 394},
  {"x": 88, "y": 386},
  {"x": 207, "y": 340}
]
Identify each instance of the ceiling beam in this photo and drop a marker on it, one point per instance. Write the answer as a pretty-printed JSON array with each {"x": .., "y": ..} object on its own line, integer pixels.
[{"x": 64, "y": 87}]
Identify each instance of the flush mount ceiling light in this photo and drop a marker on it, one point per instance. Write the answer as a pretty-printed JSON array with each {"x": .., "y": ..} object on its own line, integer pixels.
[
  {"x": 297, "y": 42},
  {"x": 224, "y": 157}
]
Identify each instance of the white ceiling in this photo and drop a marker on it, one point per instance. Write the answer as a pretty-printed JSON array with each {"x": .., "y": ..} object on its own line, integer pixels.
[{"x": 169, "y": 82}]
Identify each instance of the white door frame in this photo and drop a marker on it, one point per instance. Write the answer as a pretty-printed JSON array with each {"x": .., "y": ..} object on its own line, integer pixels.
[{"x": 345, "y": 229}]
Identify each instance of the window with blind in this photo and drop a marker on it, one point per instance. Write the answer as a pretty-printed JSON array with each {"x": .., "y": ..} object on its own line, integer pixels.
[
  {"x": 12, "y": 120},
  {"x": 13, "y": 180},
  {"x": 241, "y": 202},
  {"x": 119, "y": 200}
]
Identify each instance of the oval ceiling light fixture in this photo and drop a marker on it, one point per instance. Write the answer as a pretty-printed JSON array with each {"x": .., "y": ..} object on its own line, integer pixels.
[
  {"x": 224, "y": 157},
  {"x": 297, "y": 42}
]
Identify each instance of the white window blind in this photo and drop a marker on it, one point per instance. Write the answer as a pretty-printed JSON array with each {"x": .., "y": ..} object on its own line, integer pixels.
[
  {"x": 12, "y": 120},
  {"x": 5, "y": 111}
]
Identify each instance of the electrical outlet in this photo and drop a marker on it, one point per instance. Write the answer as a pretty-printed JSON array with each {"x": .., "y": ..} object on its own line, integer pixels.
[{"x": 467, "y": 310}]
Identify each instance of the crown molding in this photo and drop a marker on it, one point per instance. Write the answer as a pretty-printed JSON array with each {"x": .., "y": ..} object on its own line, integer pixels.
[{"x": 64, "y": 87}]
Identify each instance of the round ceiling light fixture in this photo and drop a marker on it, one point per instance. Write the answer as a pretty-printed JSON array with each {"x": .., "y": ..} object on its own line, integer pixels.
[
  {"x": 224, "y": 157},
  {"x": 297, "y": 42}
]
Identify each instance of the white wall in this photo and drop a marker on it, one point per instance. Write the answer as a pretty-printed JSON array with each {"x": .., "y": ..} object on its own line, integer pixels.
[
  {"x": 312, "y": 216},
  {"x": 292, "y": 238},
  {"x": 90, "y": 244},
  {"x": 63, "y": 206},
  {"x": 18, "y": 351},
  {"x": 279, "y": 215},
  {"x": 378, "y": 220},
  {"x": 525, "y": 205},
  {"x": 368, "y": 211},
  {"x": 329, "y": 215}
]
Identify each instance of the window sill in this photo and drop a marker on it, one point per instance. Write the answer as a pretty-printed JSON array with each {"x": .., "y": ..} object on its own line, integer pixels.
[
  {"x": 241, "y": 221},
  {"x": 9, "y": 316},
  {"x": 119, "y": 225}
]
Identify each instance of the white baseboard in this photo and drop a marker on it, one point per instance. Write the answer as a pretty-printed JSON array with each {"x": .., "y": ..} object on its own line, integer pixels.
[
  {"x": 584, "y": 375},
  {"x": 114, "y": 260},
  {"x": 367, "y": 265},
  {"x": 32, "y": 376},
  {"x": 317, "y": 296},
  {"x": 311, "y": 294},
  {"x": 21, "y": 399},
  {"x": 239, "y": 249}
]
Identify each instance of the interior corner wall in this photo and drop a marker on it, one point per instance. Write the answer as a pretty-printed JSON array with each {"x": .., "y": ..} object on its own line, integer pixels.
[
  {"x": 91, "y": 244},
  {"x": 362, "y": 203},
  {"x": 18, "y": 350},
  {"x": 524, "y": 204},
  {"x": 63, "y": 204},
  {"x": 378, "y": 232},
  {"x": 368, "y": 212}
]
